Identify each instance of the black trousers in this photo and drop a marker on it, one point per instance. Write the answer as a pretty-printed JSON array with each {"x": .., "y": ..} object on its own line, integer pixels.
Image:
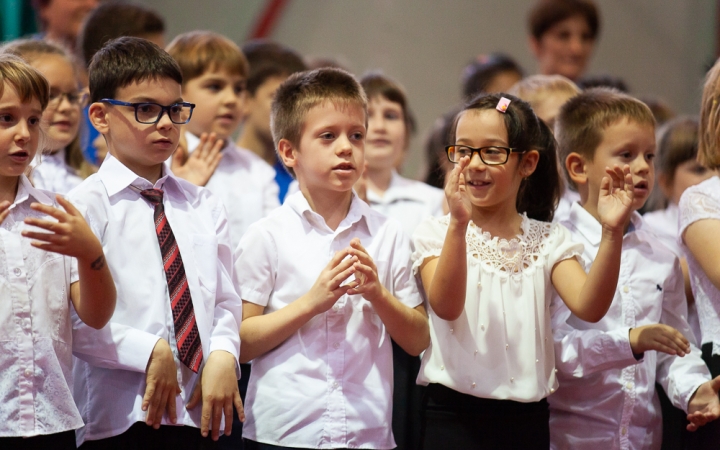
[
  {"x": 57, "y": 441},
  {"x": 141, "y": 436},
  {"x": 453, "y": 420},
  {"x": 252, "y": 445}
]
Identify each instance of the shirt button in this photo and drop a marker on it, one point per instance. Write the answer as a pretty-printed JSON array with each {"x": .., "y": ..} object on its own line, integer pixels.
[
  {"x": 452, "y": 330},
  {"x": 482, "y": 327},
  {"x": 626, "y": 289},
  {"x": 476, "y": 352},
  {"x": 335, "y": 385},
  {"x": 479, "y": 285},
  {"x": 624, "y": 431},
  {"x": 442, "y": 367},
  {"x": 512, "y": 379},
  {"x": 537, "y": 361},
  {"x": 28, "y": 373},
  {"x": 552, "y": 390},
  {"x": 473, "y": 385},
  {"x": 506, "y": 346},
  {"x": 336, "y": 345},
  {"x": 336, "y": 307},
  {"x": 629, "y": 385},
  {"x": 17, "y": 271}
]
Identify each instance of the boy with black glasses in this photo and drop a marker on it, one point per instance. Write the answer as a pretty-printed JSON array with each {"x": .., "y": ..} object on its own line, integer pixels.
[{"x": 173, "y": 341}]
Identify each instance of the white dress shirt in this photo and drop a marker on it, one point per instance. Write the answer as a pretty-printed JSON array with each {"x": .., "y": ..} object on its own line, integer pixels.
[
  {"x": 54, "y": 175},
  {"x": 408, "y": 201},
  {"x": 701, "y": 202},
  {"x": 245, "y": 184},
  {"x": 35, "y": 327},
  {"x": 567, "y": 199},
  {"x": 501, "y": 345},
  {"x": 110, "y": 371},
  {"x": 329, "y": 385},
  {"x": 607, "y": 398}
]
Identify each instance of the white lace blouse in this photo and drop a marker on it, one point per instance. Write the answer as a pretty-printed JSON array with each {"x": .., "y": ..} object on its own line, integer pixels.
[
  {"x": 501, "y": 346},
  {"x": 700, "y": 202}
]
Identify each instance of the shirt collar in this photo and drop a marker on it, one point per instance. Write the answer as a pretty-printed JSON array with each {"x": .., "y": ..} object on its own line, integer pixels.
[
  {"x": 358, "y": 210},
  {"x": 591, "y": 229},
  {"x": 27, "y": 190},
  {"x": 116, "y": 176}
]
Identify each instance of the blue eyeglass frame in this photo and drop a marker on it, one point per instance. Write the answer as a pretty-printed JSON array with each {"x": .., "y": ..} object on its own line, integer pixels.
[{"x": 163, "y": 109}]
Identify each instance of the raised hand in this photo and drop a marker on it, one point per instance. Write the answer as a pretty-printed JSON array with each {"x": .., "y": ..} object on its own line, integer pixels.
[
  {"x": 70, "y": 235},
  {"x": 161, "y": 385},
  {"x": 704, "y": 405},
  {"x": 4, "y": 210},
  {"x": 200, "y": 165},
  {"x": 458, "y": 201},
  {"x": 366, "y": 276},
  {"x": 218, "y": 390},
  {"x": 328, "y": 287},
  {"x": 659, "y": 337},
  {"x": 616, "y": 197}
]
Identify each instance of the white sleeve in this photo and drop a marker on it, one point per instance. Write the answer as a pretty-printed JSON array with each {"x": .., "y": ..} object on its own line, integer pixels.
[
  {"x": 695, "y": 204},
  {"x": 428, "y": 240},
  {"x": 403, "y": 284},
  {"x": 680, "y": 377},
  {"x": 579, "y": 353},
  {"x": 255, "y": 265},
  {"x": 270, "y": 191},
  {"x": 563, "y": 246}
]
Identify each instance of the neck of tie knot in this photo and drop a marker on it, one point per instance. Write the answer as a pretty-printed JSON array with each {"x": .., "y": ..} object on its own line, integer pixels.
[{"x": 154, "y": 196}]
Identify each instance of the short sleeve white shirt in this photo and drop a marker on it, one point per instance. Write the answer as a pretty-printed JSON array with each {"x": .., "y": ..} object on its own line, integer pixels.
[
  {"x": 329, "y": 385},
  {"x": 110, "y": 366},
  {"x": 245, "y": 184},
  {"x": 606, "y": 397},
  {"x": 408, "y": 201},
  {"x": 664, "y": 224},
  {"x": 54, "y": 175},
  {"x": 501, "y": 345},
  {"x": 701, "y": 202},
  {"x": 35, "y": 327}
]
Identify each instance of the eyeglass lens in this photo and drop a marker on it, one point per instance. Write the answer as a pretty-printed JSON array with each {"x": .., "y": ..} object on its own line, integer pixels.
[
  {"x": 151, "y": 112},
  {"x": 489, "y": 155}
]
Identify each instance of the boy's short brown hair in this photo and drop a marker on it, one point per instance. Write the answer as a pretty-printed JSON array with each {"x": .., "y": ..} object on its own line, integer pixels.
[
  {"x": 582, "y": 120},
  {"x": 269, "y": 59},
  {"x": 196, "y": 52},
  {"x": 709, "y": 133},
  {"x": 536, "y": 88},
  {"x": 376, "y": 84},
  {"x": 27, "y": 81},
  {"x": 547, "y": 13},
  {"x": 305, "y": 90}
]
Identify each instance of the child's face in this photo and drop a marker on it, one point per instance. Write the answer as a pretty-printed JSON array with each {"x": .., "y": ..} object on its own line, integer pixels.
[
  {"x": 624, "y": 142},
  {"x": 688, "y": 173},
  {"x": 330, "y": 156},
  {"x": 61, "y": 118},
  {"x": 494, "y": 185},
  {"x": 386, "y": 134},
  {"x": 565, "y": 48},
  {"x": 502, "y": 82},
  {"x": 549, "y": 107},
  {"x": 218, "y": 97},
  {"x": 257, "y": 107},
  {"x": 141, "y": 147},
  {"x": 19, "y": 132}
]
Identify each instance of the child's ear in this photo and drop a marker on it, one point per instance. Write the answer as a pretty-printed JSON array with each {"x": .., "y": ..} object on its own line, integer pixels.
[
  {"x": 98, "y": 117},
  {"x": 529, "y": 162},
  {"x": 287, "y": 152},
  {"x": 575, "y": 165}
]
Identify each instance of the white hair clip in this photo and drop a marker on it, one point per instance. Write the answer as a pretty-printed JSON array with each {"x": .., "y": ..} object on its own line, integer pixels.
[{"x": 503, "y": 104}]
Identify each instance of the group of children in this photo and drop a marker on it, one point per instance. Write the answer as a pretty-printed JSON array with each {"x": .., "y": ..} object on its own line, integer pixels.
[{"x": 530, "y": 298}]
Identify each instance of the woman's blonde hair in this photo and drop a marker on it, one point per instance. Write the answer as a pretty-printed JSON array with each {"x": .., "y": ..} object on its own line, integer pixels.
[{"x": 709, "y": 132}]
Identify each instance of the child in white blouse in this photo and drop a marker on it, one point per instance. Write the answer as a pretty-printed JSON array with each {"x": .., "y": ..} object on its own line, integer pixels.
[
  {"x": 699, "y": 218},
  {"x": 36, "y": 267},
  {"x": 490, "y": 268},
  {"x": 61, "y": 167},
  {"x": 318, "y": 338},
  {"x": 607, "y": 370}
]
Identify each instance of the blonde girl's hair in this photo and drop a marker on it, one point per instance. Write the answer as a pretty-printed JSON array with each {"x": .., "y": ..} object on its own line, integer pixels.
[{"x": 709, "y": 132}]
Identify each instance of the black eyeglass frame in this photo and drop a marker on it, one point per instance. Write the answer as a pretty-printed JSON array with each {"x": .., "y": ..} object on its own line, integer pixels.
[
  {"x": 77, "y": 98},
  {"x": 479, "y": 151},
  {"x": 112, "y": 101}
]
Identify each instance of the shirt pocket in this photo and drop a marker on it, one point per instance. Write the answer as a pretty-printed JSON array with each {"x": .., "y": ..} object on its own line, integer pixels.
[{"x": 205, "y": 254}]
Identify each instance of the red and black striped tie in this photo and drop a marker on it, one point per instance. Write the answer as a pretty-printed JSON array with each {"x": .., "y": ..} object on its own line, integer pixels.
[{"x": 186, "y": 330}]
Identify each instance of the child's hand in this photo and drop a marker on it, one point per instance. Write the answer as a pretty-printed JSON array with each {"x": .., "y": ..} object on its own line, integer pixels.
[
  {"x": 218, "y": 390},
  {"x": 161, "y": 385},
  {"x": 704, "y": 406},
  {"x": 616, "y": 197},
  {"x": 366, "y": 276},
  {"x": 458, "y": 201},
  {"x": 327, "y": 288},
  {"x": 4, "y": 210},
  {"x": 659, "y": 337},
  {"x": 70, "y": 235},
  {"x": 201, "y": 164}
]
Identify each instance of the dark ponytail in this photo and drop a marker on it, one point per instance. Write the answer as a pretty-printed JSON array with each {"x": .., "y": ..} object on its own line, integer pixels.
[{"x": 539, "y": 193}]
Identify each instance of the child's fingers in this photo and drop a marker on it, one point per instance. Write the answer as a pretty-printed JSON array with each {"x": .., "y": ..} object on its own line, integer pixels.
[
  {"x": 337, "y": 280},
  {"x": 3, "y": 215},
  {"x": 49, "y": 225},
  {"x": 149, "y": 391},
  {"x": 228, "y": 417},
  {"x": 50, "y": 211},
  {"x": 205, "y": 418},
  {"x": 50, "y": 238},
  {"x": 605, "y": 187},
  {"x": 195, "y": 397},
  {"x": 239, "y": 407},
  {"x": 217, "y": 419},
  {"x": 67, "y": 206},
  {"x": 172, "y": 407},
  {"x": 337, "y": 258}
]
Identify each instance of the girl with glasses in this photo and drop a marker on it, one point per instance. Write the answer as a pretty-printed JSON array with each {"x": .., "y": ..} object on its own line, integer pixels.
[
  {"x": 489, "y": 269},
  {"x": 61, "y": 165}
]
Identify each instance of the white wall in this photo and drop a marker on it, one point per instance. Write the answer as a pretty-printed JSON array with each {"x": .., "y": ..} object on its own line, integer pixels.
[{"x": 659, "y": 47}]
